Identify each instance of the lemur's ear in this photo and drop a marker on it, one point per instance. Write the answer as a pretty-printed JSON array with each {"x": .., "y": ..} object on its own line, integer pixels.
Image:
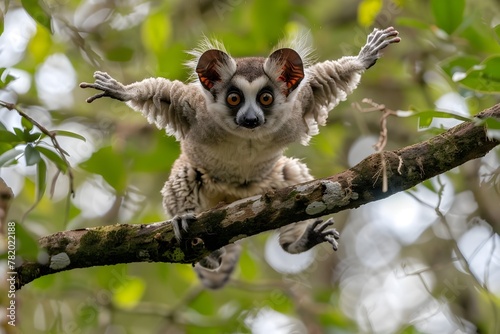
[
  {"x": 288, "y": 66},
  {"x": 210, "y": 67}
]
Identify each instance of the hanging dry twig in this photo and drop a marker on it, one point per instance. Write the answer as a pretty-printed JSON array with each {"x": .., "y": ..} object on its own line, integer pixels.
[{"x": 383, "y": 136}]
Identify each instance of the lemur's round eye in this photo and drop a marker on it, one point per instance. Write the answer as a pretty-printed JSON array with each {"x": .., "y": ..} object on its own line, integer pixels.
[
  {"x": 266, "y": 99},
  {"x": 233, "y": 99}
]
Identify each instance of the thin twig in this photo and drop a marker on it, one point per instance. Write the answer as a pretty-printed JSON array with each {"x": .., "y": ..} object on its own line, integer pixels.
[{"x": 386, "y": 112}]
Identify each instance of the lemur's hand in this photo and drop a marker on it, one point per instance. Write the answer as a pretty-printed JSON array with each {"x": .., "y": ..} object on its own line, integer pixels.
[
  {"x": 109, "y": 86},
  {"x": 376, "y": 41}
]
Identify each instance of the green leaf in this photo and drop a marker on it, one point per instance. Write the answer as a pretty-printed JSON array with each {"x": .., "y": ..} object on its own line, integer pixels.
[
  {"x": 31, "y": 155},
  {"x": 9, "y": 137},
  {"x": 4, "y": 147},
  {"x": 110, "y": 165},
  {"x": 27, "y": 125},
  {"x": 485, "y": 77},
  {"x": 425, "y": 117},
  {"x": 25, "y": 135},
  {"x": 368, "y": 11},
  {"x": 156, "y": 31},
  {"x": 492, "y": 123},
  {"x": 54, "y": 157},
  {"x": 19, "y": 133},
  {"x": 448, "y": 14},
  {"x": 37, "y": 12},
  {"x": 456, "y": 67},
  {"x": 70, "y": 134},
  {"x": 8, "y": 156},
  {"x": 41, "y": 179},
  {"x": 480, "y": 39},
  {"x": 31, "y": 137},
  {"x": 129, "y": 294}
]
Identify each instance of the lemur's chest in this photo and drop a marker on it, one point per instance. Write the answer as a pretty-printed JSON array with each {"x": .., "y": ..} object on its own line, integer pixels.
[
  {"x": 214, "y": 192},
  {"x": 238, "y": 163},
  {"x": 283, "y": 172}
]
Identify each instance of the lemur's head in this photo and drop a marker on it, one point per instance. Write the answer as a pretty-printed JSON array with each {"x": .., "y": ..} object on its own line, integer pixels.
[{"x": 250, "y": 97}]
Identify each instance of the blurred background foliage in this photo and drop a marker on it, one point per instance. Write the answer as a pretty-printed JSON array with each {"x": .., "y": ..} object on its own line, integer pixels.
[{"x": 425, "y": 261}]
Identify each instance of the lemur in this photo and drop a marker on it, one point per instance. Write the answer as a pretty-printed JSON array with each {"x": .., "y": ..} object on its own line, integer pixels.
[{"x": 234, "y": 124}]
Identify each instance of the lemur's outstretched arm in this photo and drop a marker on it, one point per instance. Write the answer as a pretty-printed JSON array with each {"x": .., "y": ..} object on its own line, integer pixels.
[
  {"x": 332, "y": 80},
  {"x": 166, "y": 103}
]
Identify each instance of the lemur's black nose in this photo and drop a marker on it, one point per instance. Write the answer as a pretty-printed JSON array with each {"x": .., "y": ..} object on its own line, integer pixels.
[{"x": 250, "y": 122}]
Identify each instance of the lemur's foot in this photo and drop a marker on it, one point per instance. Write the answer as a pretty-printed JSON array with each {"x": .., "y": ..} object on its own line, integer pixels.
[
  {"x": 215, "y": 270},
  {"x": 319, "y": 232},
  {"x": 181, "y": 223},
  {"x": 311, "y": 234},
  {"x": 109, "y": 86}
]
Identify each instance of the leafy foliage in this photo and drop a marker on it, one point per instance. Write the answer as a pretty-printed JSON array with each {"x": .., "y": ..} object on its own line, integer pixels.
[{"x": 448, "y": 14}]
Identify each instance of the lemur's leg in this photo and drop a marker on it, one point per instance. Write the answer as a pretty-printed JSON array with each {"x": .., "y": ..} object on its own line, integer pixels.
[{"x": 302, "y": 236}]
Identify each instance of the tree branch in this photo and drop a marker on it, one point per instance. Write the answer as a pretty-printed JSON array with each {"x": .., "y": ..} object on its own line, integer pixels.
[{"x": 222, "y": 225}]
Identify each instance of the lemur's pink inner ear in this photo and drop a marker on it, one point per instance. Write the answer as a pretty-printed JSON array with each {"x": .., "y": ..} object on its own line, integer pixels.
[
  {"x": 208, "y": 67},
  {"x": 292, "y": 68}
]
